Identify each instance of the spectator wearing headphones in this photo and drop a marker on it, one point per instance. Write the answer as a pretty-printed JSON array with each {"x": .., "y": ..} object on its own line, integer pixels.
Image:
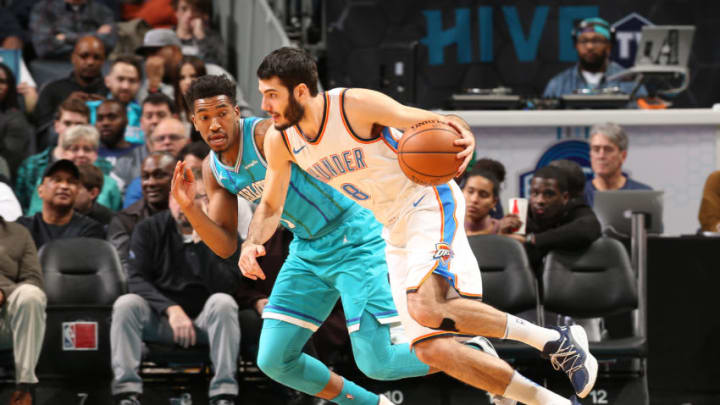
[{"x": 593, "y": 39}]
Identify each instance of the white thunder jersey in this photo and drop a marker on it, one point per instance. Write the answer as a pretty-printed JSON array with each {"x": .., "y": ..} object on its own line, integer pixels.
[
  {"x": 367, "y": 171},
  {"x": 423, "y": 225}
]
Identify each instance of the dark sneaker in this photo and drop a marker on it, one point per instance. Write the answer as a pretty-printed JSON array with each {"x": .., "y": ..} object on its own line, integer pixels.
[
  {"x": 570, "y": 354},
  {"x": 574, "y": 400}
]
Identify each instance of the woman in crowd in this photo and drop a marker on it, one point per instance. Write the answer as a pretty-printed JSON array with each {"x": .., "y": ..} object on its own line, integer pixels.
[
  {"x": 15, "y": 130},
  {"x": 189, "y": 69},
  {"x": 481, "y": 192},
  {"x": 498, "y": 169}
]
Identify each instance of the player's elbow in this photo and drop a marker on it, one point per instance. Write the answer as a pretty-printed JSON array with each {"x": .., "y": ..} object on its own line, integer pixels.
[
  {"x": 226, "y": 253},
  {"x": 228, "y": 247}
]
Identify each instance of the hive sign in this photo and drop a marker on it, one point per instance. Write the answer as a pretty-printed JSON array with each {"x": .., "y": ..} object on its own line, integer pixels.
[{"x": 525, "y": 41}]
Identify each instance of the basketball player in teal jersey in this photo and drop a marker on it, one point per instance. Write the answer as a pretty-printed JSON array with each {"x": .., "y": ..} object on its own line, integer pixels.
[{"x": 337, "y": 252}]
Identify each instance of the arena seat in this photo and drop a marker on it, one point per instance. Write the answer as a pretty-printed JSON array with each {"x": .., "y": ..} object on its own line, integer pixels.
[
  {"x": 83, "y": 277},
  {"x": 597, "y": 282},
  {"x": 508, "y": 284}
]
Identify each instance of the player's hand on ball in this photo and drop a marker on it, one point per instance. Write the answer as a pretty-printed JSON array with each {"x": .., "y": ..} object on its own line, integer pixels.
[
  {"x": 248, "y": 263},
  {"x": 468, "y": 141},
  {"x": 183, "y": 185}
]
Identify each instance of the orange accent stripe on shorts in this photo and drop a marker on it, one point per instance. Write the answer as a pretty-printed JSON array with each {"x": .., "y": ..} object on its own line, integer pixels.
[
  {"x": 415, "y": 288},
  {"x": 469, "y": 295}
]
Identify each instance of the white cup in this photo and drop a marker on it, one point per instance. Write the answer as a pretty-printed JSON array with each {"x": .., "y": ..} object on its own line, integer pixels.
[{"x": 519, "y": 207}]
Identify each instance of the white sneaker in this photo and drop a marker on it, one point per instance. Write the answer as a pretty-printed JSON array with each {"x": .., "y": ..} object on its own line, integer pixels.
[{"x": 482, "y": 343}]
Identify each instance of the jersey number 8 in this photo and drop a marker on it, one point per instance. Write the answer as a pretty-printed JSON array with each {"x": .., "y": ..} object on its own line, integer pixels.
[{"x": 353, "y": 192}]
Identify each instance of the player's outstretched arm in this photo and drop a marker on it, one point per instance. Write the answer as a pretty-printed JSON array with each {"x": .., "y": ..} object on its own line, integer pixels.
[
  {"x": 218, "y": 229},
  {"x": 266, "y": 219},
  {"x": 366, "y": 107}
]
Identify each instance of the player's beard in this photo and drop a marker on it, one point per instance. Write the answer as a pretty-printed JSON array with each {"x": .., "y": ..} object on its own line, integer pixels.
[{"x": 293, "y": 114}]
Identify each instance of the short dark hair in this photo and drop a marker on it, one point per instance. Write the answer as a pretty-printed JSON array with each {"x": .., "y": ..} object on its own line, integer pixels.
[
  {"x": 575, "y": 176},
  {"x": 91, "y": 176},
  {"x": 199, "y": 149},
  {"x": 158, "y": 99},
  {"x": 483, "y": 172},
  {"x": 73, "y": 104},
  {"x": 204, "y": 6},
  {"x": 493, "y": 166},
  {"x": 113, "y": 101},
  {"x": 131, "y": 60},
  {"x": 554, "y": 173},
  {"x": 292, "y": 66},
  {"x": 210, "y": 86}
]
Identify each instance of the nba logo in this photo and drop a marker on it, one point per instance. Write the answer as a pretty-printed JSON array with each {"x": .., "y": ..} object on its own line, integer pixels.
[{"x": 80, "y": 335}]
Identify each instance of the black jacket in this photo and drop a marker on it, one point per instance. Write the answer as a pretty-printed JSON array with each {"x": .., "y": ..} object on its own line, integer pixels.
[
  {"x": 166, "y": 271},
  {"x": 121, "y": 227},
  {"x": 576, "y": 228}
]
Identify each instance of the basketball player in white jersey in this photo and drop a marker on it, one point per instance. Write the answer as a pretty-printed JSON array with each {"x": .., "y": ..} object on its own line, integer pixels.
[{"x": 344, "y": 137}]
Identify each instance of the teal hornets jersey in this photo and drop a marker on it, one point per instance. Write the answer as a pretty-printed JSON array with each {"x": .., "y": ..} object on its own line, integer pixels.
[{"x": 312, "y": 208}]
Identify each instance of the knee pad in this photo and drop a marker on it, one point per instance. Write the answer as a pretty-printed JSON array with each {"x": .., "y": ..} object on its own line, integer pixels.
[
  {"x": 281, "y": 345},
  {"x": 280, "y": 357}
]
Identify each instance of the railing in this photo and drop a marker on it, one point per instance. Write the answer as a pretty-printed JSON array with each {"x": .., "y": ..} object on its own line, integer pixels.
[{"x": 251, "y": 30}]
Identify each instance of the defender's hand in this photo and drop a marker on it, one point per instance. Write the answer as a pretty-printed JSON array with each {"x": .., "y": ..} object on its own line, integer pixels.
[
  {"x": 248, "y": 261},
  {"x": 183, "y": 186}
]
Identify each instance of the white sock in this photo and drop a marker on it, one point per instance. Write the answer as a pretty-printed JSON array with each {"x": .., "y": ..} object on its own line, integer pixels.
[
  {"x": 523, "y": 390},
  {"x": 529, "y": 333}
]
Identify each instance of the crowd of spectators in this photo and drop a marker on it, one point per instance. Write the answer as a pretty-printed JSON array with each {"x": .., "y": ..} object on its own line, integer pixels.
[
  {"x": 89, "y": 142},
  {"x": 92, "y": 122}
]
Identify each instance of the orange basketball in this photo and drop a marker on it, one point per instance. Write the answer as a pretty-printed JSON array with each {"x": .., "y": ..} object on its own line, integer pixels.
[{"x": 427, "y": 155}]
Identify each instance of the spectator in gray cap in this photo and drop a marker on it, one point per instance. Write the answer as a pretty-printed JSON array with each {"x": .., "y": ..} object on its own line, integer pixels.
[
  {"x": 608, "y": 151},
  {"x": 163, "y": 52}
]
